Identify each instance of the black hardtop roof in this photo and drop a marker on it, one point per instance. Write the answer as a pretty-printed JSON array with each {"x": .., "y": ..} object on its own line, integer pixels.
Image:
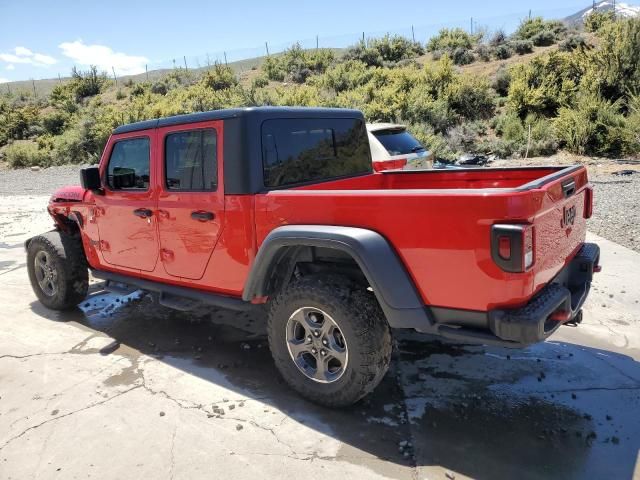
[{"x": 259, "y": 113}]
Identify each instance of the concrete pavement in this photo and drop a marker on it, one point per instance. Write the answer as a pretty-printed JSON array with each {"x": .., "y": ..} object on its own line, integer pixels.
[{"x": 121, "y": 388}]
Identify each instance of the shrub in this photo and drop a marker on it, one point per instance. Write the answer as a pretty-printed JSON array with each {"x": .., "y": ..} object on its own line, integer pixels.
[
  {"x": 522, "y": 47},
  {"x": 498, "y": 38},
  {"x": 26, "y": 154},
  {"x": 296, "y": 64},
  {"x": 597, "y": 20},
  {"x": 159, "y": 88},
  {"x": 433, "y": 141},
  {"x": 572, "y": 42},
  {"x": 543, "y": 39},
  {"x": 502, "y": 52},
  {"x": 532, "y": 27},
  {"x": 120, "y": 95},
  {"x": 471, "y": 98},
  {"x": 219, "y": 78},
  {"x": 54, "y": 122},
  {"x": 502, "y": 81},
  {"x": 88, "y": 83},
  {"x": 449, "y": 40},
  {"x": 462, "y": 56},
  {"x": 139, "y": 89},
  {"x": 396, "y": 48},
  {"x": 594, "y": 126},
  {"x": 483, "y": 52},
  {"x": 260, "y": 81},
  {"x": 347, "y": 75}
]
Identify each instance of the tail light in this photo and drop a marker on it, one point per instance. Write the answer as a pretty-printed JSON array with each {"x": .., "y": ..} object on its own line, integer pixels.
[
  {"x": 512, "y": 247},
  {"x": 588, "y": 202},
  {"x": 380, "y": 165}
]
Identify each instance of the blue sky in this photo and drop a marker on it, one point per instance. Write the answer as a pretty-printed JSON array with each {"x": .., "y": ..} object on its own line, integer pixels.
[{"x": 41, "y": 39}]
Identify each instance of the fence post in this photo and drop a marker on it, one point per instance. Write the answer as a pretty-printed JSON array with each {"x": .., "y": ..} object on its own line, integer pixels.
[
  {"x": 33, "y": 82},
  {"x": 185, "y": 63},
  {"x": 146, "y": 71},
  {"x": 413, "y": 34},
  {"x": 114, "y": 76},
  {"x": 225, "y": 59},
  {"x": 317, "y": 42},
  {"x": 266, "y": 45}
]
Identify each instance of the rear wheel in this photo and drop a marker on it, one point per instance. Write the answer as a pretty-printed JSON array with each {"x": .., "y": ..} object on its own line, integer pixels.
[
  {"x": 57, "y": 270},
  {"x": 329, "y": 339}
]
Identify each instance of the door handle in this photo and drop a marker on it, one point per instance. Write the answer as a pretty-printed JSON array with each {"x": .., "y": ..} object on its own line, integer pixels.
[
  {"x": 202, "y": 216},
  {"x": 143, "y": 212}
]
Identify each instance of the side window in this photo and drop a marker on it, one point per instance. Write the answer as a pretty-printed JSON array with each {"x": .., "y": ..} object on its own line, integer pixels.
[
  {"x": 305, "y": 150},
  {"x": 129, "y": 165},
  {"x": 191, "y": 161}
]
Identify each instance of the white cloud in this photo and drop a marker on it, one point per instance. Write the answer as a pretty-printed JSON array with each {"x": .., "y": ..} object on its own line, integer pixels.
[
  {"x": 4, "y": 80},
  {"x": 11, "y": 66},
  {"x": 103, "y": 57},
  {"x": 24, "y": 55}
]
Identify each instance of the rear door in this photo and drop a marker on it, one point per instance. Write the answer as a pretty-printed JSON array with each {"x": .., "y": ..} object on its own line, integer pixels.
[
  {"x": 191, "y": 198},
  {"x": 124, "y": 214}
]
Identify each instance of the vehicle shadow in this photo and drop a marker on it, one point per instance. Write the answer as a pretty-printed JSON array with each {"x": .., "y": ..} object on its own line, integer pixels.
[{"x": 555, "y": 410}]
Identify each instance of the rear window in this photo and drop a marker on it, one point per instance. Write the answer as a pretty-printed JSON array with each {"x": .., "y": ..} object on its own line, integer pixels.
[
  {"x": 306, "y": 150},
  {"x": 398, "y": 142},
  {"x": 191, "y": 163}
]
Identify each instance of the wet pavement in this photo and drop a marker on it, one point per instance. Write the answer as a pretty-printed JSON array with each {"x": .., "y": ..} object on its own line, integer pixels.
[{"x": 123, "y": 388}]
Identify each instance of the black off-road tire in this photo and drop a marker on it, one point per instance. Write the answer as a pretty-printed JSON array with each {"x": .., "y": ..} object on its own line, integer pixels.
[
  {"x": 68, "y": 260},
  {"x": 362, "y": 323}
]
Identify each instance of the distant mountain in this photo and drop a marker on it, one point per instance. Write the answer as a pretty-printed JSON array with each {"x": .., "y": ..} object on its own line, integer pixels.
[{"x": 621, "y": 9}]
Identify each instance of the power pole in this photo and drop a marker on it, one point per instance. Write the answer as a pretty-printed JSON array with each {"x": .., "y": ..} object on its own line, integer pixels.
[
  {"x": 146, "y": 71},
  {"x": 225, "y": 60},
  {"x": 208, "y": 61},
  {"x": 266, "y": 46},
  {"x": 471, "y": 25},
  {"x": 413, "y": 34},
  {"x": 59, "y": 78},
  {"x": 185, "y": 62},
  {"x": 174, "y": 63},
  {"x": 317, "y": 42},
  {"x": 529, "y": 14},
  {"x": 363, "y": 38},
  {"x": 114, "y": 76}
]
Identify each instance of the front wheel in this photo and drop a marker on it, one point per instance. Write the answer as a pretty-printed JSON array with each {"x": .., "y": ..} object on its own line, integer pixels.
[
  {"x": 57, "y": 270},
  {"x": 329, "y": 339}
]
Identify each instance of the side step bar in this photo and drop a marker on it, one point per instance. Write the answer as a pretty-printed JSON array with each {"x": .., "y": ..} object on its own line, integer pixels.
[{"x": 172, "y": 294}]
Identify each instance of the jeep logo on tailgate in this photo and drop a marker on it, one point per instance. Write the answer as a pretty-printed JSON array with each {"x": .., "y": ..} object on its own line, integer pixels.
[{"x": 568, "y": 216}]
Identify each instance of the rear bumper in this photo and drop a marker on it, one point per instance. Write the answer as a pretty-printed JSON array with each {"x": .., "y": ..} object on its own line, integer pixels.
[{"x": 558, "y": 303}]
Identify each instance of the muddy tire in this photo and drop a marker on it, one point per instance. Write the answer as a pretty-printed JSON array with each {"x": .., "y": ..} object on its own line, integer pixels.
[
  {"x": 57, "y": 270},
  {"x": 329, "y": 339}
]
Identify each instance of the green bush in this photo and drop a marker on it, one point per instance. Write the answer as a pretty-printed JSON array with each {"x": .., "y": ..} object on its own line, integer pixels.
[
  {"x": 220, "y": 77},
  {"x": 462, "y": 56},
  {"x": 502, "y": 52},
  {"x": 297, "y": 64},
  {"x": 54, "y": 122},
  {"x": 140, "y": 89},
  {"x": 572, "y": 42},
  {"x": 533, "y": 27},
  {"x": 498, "y": 38},
  {"x": 449, "y": 40},
  {"x": 260, "y": 81},
  {"x": 26, "y": 154},
  {"x": 522, "y": 47},
  {"x": 159, "y": 88},
  {"x": 483, "y": 52},
  {"x": 502, "y": 81},
  {"x": 543, "y": 39},
  {"x": 347, "y": 75},
  {"x": 594, "y": 126},
  {"x": 597, "y": 20}
]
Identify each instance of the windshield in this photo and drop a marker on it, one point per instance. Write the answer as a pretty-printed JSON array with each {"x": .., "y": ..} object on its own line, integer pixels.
[{"x": 398, "y": 142}]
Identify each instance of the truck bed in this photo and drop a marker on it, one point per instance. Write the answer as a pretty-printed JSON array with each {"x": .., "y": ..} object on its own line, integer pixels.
[{"x": 440, "y": 224}]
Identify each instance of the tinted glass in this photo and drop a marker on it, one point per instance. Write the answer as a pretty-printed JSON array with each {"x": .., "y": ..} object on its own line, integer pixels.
[
  {"x": 303, "y": 150},
  {"x": 129, "y": 165},
  {"x": 398, "y": 142},
  {"x": 191, "y": 160}
]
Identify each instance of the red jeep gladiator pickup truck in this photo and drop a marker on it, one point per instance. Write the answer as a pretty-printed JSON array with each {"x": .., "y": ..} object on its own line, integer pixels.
[{"x": 239, "y": 207}]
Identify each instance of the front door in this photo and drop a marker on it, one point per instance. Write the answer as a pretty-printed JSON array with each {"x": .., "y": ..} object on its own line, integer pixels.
[
  {"x": 124, "y": 214},
  {"x": 190, "y": 200}
]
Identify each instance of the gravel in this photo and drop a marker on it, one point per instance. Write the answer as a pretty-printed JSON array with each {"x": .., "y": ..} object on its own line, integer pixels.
[
  {"x": 41, "y": 182},
  {"x": 616, "y": 210},
  {"x": 616, "y": 213}
]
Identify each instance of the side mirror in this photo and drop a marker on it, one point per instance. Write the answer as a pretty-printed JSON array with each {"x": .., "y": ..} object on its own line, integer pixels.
[{"x": 90, "y": 179}]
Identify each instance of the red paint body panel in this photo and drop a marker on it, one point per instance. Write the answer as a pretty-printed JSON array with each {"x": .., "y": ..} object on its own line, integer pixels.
[{"x": 439, "y": 223}]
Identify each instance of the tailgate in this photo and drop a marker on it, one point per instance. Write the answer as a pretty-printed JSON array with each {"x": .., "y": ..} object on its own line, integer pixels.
[{"x": 560, "y": 225}]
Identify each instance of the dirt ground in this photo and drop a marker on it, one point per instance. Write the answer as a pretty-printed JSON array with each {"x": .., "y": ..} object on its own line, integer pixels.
[{"x": 121, "y": 388}]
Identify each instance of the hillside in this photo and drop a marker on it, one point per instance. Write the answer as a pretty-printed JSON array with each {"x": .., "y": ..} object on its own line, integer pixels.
[
  {"x": 542, "y": 89},
  {"x": 622, "y": 10}
]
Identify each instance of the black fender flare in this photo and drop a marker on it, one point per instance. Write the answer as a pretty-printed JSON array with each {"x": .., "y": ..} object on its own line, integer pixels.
[{"x": 380, "y": 264}]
